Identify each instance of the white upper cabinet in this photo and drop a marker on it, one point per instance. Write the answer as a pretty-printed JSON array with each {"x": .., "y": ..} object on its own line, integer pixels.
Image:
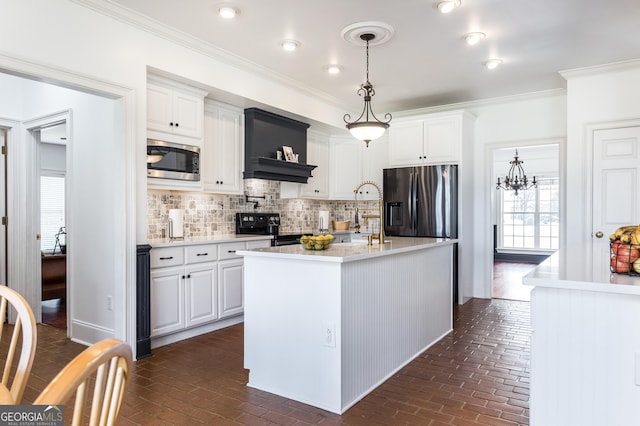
[
  {"x": 317, "y": 154},
  {"x": 174, "y": 111},
  {"x": 318, "y": 185},
  {"x": 428, "y": 139},
  {"x": 353, "y": 163},
  {"x": 221, "y": 156}
]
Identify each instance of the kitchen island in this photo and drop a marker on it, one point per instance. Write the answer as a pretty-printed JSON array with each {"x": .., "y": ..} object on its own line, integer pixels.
[
  {"x": 327, "y": 327},
  {"x": 585, "y": 345}
]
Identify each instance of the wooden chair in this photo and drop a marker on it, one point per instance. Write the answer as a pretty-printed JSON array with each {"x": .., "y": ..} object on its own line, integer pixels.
[
  {"x": 14, "y": 377},
  {"x": 108, "y": 363}
]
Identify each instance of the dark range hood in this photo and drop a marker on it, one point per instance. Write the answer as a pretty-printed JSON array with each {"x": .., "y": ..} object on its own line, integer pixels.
[{"x": 266, "y": 133}]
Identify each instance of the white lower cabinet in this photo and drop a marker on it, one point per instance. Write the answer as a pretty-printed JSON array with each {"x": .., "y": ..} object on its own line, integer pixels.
[
  {"x": 183, "y": 297},
  {"x": 167, "y": 300},
  {"x": 195, "y": 287},
  {"x": 201, "y": 294},
  {"x": 231, "y": 291}
]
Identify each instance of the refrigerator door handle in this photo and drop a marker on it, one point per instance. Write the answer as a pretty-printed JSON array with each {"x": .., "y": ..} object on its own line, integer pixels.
[{"x": 414, "y": 203}]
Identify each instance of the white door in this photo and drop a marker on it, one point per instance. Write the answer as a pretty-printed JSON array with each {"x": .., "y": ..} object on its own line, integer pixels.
[
  {"x": 3, "y": 210},
  {"x": 616, "y": 186}
]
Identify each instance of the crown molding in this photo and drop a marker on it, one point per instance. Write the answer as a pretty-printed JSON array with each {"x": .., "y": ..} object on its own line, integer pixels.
[
  {"x": 482, "y": 102},
  {"x": 156, "y": 28},
  {"x": 600, "y": 69}
]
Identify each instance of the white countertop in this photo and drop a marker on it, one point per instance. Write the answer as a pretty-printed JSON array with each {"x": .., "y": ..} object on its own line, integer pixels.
[
  {"x": 554, "y": 273},
  {"x": 229, "y": 238},
  {"x": 349, "y": 252}
]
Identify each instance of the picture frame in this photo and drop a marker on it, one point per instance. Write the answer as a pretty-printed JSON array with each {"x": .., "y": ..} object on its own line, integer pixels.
[{"x": 288, "y": 154}]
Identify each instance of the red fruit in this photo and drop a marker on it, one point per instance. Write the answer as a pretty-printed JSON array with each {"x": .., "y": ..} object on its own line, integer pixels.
[
  {"x": 628, "y": 253},
  {"x": 618, "y": 266}
]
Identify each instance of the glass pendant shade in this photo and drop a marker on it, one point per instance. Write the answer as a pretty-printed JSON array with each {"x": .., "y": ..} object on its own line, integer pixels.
[{"x": 367, "y": 131}]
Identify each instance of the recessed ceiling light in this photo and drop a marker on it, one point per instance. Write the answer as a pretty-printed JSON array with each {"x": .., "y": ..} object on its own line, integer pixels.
[
  {"x": 492, "y": 63},
  {"x": 447, "y": 6},
  {"x": 473, "y": 38},
  {"x": 289, "y": 45},
  {"x": 334, "y": 69},
  {"x": 228, "y": 12}
]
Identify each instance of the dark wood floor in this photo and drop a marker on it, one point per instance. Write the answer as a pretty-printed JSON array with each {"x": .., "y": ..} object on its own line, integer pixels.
[{"x": 477, "y": 375}]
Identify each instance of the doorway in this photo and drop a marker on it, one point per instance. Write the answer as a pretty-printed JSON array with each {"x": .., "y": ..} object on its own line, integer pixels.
[
  {"x": 52, "y": 153},
  {"x": 526, "y": 225}
]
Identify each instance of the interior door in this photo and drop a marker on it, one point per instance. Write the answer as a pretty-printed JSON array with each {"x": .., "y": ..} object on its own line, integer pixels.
[
  {"x": 616, "y": 182},
  {"x": 3, "y": 210}
]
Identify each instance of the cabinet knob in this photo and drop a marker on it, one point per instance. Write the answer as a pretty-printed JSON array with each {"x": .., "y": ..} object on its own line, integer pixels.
[
  {"x": 171, "y": 124},
  {"x": 599, "y": 234},
  {"x": 189, "y": 276},
  {"x": 177, "y": 124},
  {"x": 183, "y": 277},
  {"x": 166, "y": 258},
  {"x": 202, "y": 254},
  {"x": 231, "y": 251},
  {"x": 221, "y": 182}
]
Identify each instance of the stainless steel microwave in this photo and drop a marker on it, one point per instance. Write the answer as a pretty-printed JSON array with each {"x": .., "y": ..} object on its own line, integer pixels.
[{"x": 169, "y": 160}]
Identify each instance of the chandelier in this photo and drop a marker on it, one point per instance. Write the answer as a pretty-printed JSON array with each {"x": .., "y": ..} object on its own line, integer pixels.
[
  {"x": 516, "y": 180},
  {"x": 371, "y": 128}
]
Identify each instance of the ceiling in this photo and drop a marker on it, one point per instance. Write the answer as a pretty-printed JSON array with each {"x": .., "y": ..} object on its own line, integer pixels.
[{"x": 426, "y": 62}]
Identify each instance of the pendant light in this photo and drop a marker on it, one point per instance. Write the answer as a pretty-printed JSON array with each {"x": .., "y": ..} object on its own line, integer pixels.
[
  {"x": 516, "y": 180},
  {"x": 370, "y": 128}
]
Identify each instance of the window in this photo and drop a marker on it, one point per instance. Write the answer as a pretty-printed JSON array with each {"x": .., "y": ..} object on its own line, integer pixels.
[
  {"x": 51, "y": 211},
  {"x": 531, "y": 220}
]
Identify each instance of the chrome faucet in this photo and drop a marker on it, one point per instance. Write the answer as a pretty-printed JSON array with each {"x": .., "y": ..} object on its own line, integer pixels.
[{"x": 380, "y": 235}]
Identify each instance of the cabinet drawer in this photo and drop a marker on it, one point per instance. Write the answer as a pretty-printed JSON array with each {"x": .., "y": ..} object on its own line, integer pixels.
[
  {"x": 202, "y": 253},
  {"x": 228, "y": 250},
  {"x": 166, "y": 256},
  {"x": 258, "y": 244}
]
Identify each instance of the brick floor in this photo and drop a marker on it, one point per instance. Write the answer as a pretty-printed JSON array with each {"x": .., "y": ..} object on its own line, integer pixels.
[{"x": 477, "y": 375}]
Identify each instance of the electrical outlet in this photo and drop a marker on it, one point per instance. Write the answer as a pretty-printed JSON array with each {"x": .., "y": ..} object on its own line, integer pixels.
[
  {"x": 329, "y": 335},
  {"x": 110, "y": 303}
]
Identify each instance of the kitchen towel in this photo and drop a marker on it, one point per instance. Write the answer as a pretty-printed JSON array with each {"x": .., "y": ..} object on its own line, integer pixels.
[
  {"x": 176, "y": 227},
  {"x": 323, "y": 220}
]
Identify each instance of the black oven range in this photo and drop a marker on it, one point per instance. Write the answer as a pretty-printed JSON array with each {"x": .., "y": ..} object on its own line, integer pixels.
[{"x": 264, "y": 224}]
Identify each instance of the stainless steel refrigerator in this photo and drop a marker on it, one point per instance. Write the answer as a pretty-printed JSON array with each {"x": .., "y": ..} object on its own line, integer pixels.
[{"x": 421, "y": 201}]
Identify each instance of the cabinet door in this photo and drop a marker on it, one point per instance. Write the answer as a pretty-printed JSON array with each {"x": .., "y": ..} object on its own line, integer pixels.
[
  {"x": 228, "y": 151},
  {"x": 346, "y": 167},
  {"x": 231, "y": 287},
  {"x": 201, "y": 294},
  {"x": 187, "y": 114},
  {"x": 375, "y": 159},
  {"x": 442, "y": 139},
  {"x": 406, "y": 143},
  {"x": 167, "y": 301},
  {"x": 318, "y": 155},
  {"x": 221, "y": 163},
  {"x": 159, "y": 108}
]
